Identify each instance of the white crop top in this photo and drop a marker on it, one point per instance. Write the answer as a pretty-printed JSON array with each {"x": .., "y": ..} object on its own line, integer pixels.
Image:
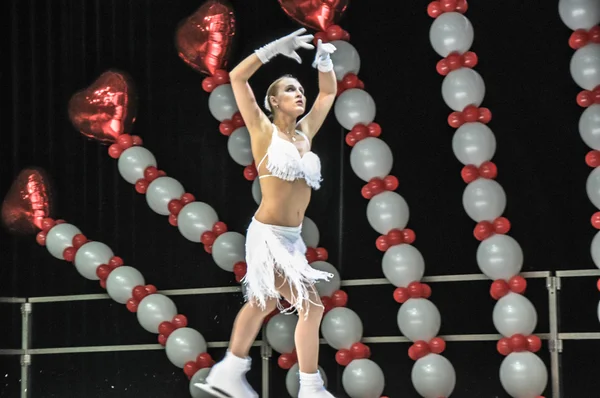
[{"x": 286, "y": 163}]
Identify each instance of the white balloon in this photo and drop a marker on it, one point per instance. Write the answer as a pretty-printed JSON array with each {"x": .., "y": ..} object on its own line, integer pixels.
[
  {"x": 199, "y": 378},
  {"x": 341, "y": 327},
  {"x": 585, "y": 66},
  {"x": 280, "y": 332},
  {"x": 59, "y": 238},
  {"x": 592, "y": 187},
  {"x": 595, "y": 249},
  {"x": 451, "y": 32},
  {"x": 514, "y": 314},
  {"x": 221, "y": 102},
  {"x": 387, "y": 211},
  {"x": 155, "y": 309},
  {"x": 433, "y": 376},
  {"x": 579, "y": 14},
  {"x": 500, "y": 257},
  {"x": 484, "y": 200},
  {"x": 310, "y": 233},
  {"x": 345, "y": 59},
  {"x": 121, "y": 281},
  {"x": 523, "y": 375},
  {"x": 292, "y": 380},
  {"x": 256, "y": 192},
  {"x": 589, "y": 126},
  {"x": 194, "y": 219},
  {"x": 184, "y": 345},
  {"x": 133, "y": 161},
  {"x": 327, "y": 288},
  {"x": 474, "y": 143},
  {"x": 403, "y": 264},
  {"x": 228, "y": 249},
  {"x": 161, "y": 191},
  {"x": 354, "y": 106},
  {"x": 363, "y": 378},
  {"x": 463, "y": 87},
  {"x": 370, "y": 158},
  {"x": 419, "y": 319},
  {"x": 90, "y": 256},
  {"x": 238, "y": 145}
]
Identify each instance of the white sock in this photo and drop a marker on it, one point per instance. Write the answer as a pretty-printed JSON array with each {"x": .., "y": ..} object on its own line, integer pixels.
[
  {"x": 235, "y": 363},
  {"x": 311, "y": 381}
]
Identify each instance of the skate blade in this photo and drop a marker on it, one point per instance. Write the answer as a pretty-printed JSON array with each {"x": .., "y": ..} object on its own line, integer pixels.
[{"x": 212, "y": 391}]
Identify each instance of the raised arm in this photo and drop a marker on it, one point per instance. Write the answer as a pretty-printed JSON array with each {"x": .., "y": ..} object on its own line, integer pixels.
[
  {"x": 251, "y": 112},
  {"x": 314, "y": 119}
]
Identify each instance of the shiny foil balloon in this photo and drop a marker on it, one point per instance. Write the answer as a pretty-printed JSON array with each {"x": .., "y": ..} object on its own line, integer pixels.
[
  {"x": 315, "y": 14},
  {"x": 205, "y": 38},
  {"x": 106, "y": 109},
  {"x": 28, "y": 202}
]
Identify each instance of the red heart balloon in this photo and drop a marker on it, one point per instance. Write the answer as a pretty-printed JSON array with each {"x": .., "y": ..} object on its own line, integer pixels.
[
  {"x": 106, "y": 109},
  {"x": 204, "y": 39},
  {"x": 28, "y": 202},
  {"x": 315, "y": 14}
]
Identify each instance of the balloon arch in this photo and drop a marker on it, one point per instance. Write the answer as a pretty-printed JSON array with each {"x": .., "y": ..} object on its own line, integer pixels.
[{"x": 106, "y": 112}]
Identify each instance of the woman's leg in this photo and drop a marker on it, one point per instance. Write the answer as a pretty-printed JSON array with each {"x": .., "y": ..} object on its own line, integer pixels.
[{"x": 246, "y": 326}]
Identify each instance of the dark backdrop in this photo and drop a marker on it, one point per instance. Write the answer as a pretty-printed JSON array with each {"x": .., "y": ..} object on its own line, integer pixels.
[{"x": 54, "y": 48}]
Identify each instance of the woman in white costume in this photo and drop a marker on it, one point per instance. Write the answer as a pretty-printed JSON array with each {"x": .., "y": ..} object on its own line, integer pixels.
[{"x": 275, "y": 252}]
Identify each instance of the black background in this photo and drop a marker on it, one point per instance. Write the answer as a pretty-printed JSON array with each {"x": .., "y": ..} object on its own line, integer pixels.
[{"x": 51, "y": 49}]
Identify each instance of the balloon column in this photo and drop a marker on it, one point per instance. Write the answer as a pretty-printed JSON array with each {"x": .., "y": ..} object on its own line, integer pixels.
[
  {"x": 499, "y": 256},
  {"x": 185, "y": 347},
  {"x": 583, "y": 17}
]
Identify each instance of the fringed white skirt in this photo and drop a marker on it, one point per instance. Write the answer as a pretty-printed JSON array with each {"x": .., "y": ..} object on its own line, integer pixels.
[{"x": 272, "y": 249}]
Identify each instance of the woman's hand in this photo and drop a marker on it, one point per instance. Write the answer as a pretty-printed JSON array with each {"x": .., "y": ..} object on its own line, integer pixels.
[
  {"x": 322, "y": 57},
  {"x": 287, "y": 46}
]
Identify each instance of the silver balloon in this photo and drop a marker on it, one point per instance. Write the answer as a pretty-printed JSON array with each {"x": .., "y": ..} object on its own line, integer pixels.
[
  {"x": 474, "y": 143},
  {"x": 579, "y": 14},
  {"x": 451, "y": 32},
  {"x": 345, "y": 59},
  {"x": 592, "y": 187},
  {"x": 500, "y": 257},
  {"x": 403, "y": 264},
  {"x": 327, "y": 288},
  {"x": 292, "y": 380},
  {"x": 194, "y": 219},
  {"x": 155, "y": 309},
  {"x": 514, "y": 314},
  {"x": 523, "y": 375},
  {"x": 121, "y": 281},
  {"x": 133, "y": 161},
  {"x": 238, "y": 145},
  {"x": 598, "y": 311},
  {"x": 221, "y": 102},
  {"x": 90, "y": 256},
  {"x": 585, "y": 66},
  {"x": 280, "y": 332},
  {"x": 341, "y": 328},
  {"x": 419, "y": 319},
  {"x": 59, "y": 238},
  {"x": 161, "y": 191},
  {"x": 256, "y": 192},
  {"x": 463, "y": 87},
  {"x": 595, "y": 249},
  {"x": 354, "y": 106},
  {"x": 589, "y": 126},
  {"x": 310, "y": 233},
  {"x": 433, "y": 376},
  {"x": 387, "y": 211},
  {"x": 228, "y": 249},
  {"x": 484, "y": 200},
  {"x": 184, "y": 345},
  {"x": 363, "y": 378},
  {"x": 199, "y": 378},
  {"x": 371, "y": 158}
]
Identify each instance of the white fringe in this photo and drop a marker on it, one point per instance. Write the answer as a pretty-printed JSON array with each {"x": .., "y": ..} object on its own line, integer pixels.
[
  {"x": 283, "y": 165},
  {"x": 274, "y": 249}
]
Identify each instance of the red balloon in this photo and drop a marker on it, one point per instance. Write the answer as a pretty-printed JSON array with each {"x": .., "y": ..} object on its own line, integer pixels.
[
  {"x": 204, "y": 39},
  {"x": 503, "y": 346},
  {"x": 312, "y": 14},
  {"x": 106, "y": 109},
  {"x": 343, "y": 357},
  {"x": 28, "y": 202}
]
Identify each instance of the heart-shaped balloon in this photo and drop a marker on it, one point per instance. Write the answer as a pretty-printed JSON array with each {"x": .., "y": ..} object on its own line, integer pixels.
[
  {"x": 315, "y": 14},
  {"x": 28, "y": 202},
  {"x": 204, "y": 39},
  {"x": 106, "y": 109}
]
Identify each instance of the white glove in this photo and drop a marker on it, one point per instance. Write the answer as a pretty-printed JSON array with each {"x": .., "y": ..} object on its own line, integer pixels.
[
  {"x": 287, "y": 46},
  {"x": 322, "y": 58}
]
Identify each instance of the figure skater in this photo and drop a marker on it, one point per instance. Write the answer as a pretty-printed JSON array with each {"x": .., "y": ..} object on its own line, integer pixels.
[{"x": 275, "y": 251}]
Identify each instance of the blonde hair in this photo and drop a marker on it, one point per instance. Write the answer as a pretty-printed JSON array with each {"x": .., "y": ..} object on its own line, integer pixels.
[{"x": 272, "y": 90}]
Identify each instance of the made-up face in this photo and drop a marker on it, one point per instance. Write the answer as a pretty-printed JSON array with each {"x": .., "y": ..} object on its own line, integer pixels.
[{"x": 289, "y": 97}]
